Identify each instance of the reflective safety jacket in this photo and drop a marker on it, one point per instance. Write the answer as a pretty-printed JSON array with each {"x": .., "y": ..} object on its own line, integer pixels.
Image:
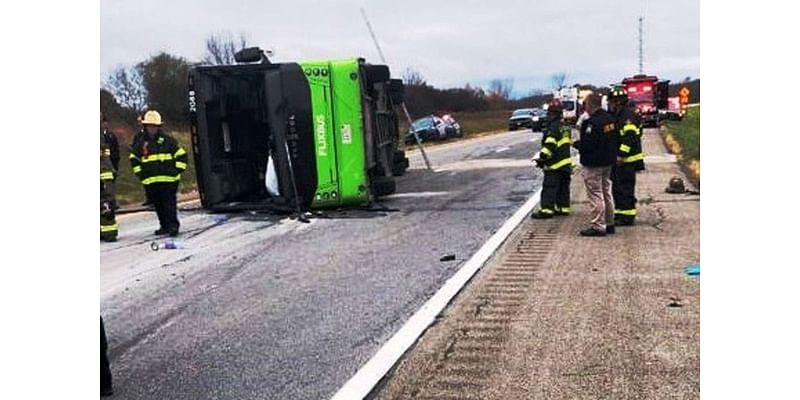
[
  {"x": 106, "y": 168},
  {"x": 158, "y": 159},
  {"x": 556, "y": 147},
  {"x": 630, "y": 139},
  {"x": 113, "y": 145}
]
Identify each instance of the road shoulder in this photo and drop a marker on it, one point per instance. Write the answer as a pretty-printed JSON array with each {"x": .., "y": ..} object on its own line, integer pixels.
[{"x": 562, "y": 316}]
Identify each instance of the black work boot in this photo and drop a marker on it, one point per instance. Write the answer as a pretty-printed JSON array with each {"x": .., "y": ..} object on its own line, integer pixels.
[
  {"x": 592, "y": 232},
  {"x": 541, "y": 215},
  {"x": 161, "y": 231},
  {"x": 610, "y": 230},
  {"x": 623, "y": 221}
]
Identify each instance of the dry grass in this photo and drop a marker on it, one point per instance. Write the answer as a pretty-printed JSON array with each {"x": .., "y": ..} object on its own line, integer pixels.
[{"x": 683, "y": 139}]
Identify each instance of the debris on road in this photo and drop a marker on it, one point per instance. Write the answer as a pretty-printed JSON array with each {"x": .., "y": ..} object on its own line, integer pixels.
[
  {"x": 675, "y": 302},
  {"x": 693, "y": 270},
  {"x": 448, "y": 257},
  {"x": 676, "y": 185},
  {"x": 168, "y": 244}
]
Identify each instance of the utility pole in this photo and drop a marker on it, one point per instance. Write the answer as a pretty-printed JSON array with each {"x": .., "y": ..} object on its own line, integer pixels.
[
  {"x": 405, "y": 109},
  {"x": 641, "y": 47},
  {"x": 371, "y": 33}
]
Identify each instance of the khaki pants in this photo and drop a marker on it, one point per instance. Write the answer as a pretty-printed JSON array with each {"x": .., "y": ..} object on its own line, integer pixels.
[{"x": 601, "y": 198}]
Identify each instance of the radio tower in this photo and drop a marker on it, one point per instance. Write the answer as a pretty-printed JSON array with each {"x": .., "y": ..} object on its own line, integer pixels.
[{"x": 641, "y": 51}]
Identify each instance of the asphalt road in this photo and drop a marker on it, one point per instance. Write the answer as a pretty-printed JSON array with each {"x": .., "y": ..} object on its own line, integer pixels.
[{"x": 258, "y": 306}]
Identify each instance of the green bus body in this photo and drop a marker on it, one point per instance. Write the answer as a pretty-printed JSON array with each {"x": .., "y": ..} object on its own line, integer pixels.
[{"x": 338, "y": 133}]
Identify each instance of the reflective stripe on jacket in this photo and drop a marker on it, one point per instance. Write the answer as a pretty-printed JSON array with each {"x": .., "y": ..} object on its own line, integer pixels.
[{"x": 630, "y": 137}]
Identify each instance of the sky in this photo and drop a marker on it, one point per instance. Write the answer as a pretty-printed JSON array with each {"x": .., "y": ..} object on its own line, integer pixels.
[{"x": 450, "y": 43}]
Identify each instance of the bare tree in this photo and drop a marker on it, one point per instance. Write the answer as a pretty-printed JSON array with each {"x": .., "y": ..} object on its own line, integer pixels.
[
  {"x": 412, "y": 77},
  {"x": 501, "y": 88},
  {"x": 127, "y": 86},
  {"x": 557, "y": 80},
  {"x": 221, "y": 48}
]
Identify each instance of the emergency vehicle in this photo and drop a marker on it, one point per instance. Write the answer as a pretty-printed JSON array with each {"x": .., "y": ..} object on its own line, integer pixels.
[
  {"x": 649, "y": 95},
  {"x": 570, "y": 102}
]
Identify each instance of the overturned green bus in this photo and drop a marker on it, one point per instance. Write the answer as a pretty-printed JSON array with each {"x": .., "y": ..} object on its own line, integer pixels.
[{"x": 313, "y": 135}]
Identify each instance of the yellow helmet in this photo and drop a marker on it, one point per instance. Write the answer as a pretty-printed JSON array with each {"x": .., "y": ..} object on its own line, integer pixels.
[{"x": 151, "y": 118}]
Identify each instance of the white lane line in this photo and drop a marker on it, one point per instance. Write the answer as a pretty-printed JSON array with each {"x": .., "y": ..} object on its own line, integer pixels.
[
  {"x": 415, "y": 194},
  {"x": 362, "y": 383},
  {"x": 502, "y": 149}
]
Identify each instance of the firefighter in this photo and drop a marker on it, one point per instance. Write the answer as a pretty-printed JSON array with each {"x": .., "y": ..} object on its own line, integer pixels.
[
  {"x": 630, "y": 158},
  {"x": 111, "y": 139},
  {"x": 108, "y": 222},
  {"x": 137, "y": 138},
  {"x": 158, "y": 161},
  {"x": 556, "y": 161}
]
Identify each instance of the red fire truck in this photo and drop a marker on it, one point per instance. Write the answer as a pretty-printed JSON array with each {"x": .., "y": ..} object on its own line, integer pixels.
[{"x": 649, "y": 95}]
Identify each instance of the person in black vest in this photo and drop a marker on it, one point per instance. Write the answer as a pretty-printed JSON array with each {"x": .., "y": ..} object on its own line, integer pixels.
[
  {"x": 158, "y": 161},
  {"x": 599, "y": 140}
]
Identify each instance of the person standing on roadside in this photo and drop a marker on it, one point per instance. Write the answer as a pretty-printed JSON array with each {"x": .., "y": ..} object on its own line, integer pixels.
[
  {"x": 556, "y": 161},
  {"x": 138, "y": 137},
  {"x": 158, "y": 161},
  {"x": 630, "y": 158},
  {"x": 108, "y": 203},
  {"x": 111, "y": 140},
  {"x": 599, "y": 141}
]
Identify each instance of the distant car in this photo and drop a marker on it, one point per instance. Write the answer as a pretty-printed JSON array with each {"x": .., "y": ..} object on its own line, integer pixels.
[
  {"x": 532, "y": 118},
  {"x": 673, "y": 111},
  {"x": 432, "y": 128}
]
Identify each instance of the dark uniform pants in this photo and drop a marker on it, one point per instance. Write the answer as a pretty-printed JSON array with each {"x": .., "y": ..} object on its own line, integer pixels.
[
  {"x": 105, "y": 370},
  {"x": 555, "y": 191},
  {"x": 164, "y": 198},
  {"x": 624, "y": 177},
  {"x": 108, "y": 220}
]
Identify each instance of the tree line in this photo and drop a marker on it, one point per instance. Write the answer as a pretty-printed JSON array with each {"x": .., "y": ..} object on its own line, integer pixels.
[{"x": 159, "y": 82}]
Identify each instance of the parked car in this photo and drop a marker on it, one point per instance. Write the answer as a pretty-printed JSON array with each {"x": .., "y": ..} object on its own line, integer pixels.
[
  {"x": 532, "y": 118},
  {"x": 432, "y": 128},
  {"x": 452, "y": 128}
]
